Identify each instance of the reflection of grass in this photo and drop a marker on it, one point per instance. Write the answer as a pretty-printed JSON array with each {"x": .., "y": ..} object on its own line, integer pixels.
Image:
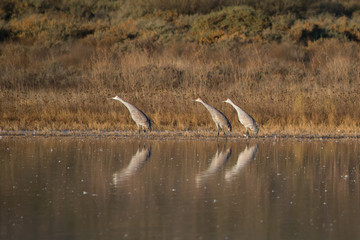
[{"x": 59, "y": 67}]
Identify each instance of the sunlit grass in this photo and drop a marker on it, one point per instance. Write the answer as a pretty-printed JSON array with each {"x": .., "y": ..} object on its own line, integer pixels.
[
  {"x": 60, "y": 66},
  {"x": 283, "y": 92}
]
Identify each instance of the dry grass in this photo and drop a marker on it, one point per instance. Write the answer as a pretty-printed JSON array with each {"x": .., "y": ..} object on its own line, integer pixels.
[
  {"x": 61, "y": 65},
  {"x": 287, "y": 89}
]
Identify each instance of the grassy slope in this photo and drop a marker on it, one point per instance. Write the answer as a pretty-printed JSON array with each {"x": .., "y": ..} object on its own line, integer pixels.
[{"x": 295, "y": 70}]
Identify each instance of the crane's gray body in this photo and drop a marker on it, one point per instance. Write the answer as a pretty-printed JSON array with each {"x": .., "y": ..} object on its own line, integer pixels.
[
  {"x": 137, "y": 115},
  {"x": 218, "y": 117},
  {"x": 245, "y": 119}
]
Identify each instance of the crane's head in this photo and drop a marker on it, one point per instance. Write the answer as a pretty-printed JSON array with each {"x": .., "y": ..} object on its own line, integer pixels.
[
  {"x": 116, "y": 98},
  {"x": 198, "y": 100},
  {"x": 228, "y": 100}
]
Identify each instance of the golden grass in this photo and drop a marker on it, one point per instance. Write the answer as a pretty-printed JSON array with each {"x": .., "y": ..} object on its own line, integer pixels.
[
  {"x": 289, "y": 90},
  {"x": 298, "y": 75}
]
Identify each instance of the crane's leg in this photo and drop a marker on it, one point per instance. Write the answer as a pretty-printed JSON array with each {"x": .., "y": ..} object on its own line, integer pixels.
[
  {"x": 246, "y": 133},
  {"x": 138, "y": 129},
  {"x": 218, "y": 129},
  {"x": 146, "y": 130}
]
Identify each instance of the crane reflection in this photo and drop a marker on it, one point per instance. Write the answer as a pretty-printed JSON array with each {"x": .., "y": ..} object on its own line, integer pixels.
[
  {"x": 136, "y": 162},
  {"x": 219, "y": 159},
  {"x": 244, "y": 157}
]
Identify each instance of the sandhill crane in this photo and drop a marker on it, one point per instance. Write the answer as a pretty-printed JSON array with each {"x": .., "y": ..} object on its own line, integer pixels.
[
  {"x": 218, "y": 117},
  {"x": 217, "y": 162},
  {"x": 137, "y": 115},
  {"x": 244, "y": 157},
  {"x": 245, "y": 119},
  {"x": 136, "y": 162}
]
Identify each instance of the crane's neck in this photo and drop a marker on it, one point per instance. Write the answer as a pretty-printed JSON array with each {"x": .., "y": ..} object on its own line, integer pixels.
[
  {"x": 127, "y": 105},
  {"x": 206, "y": 105},
  {"x": 237, "y": 108},
  {"x": 233, "y": 104},
  {"x": 119, "y": 99}
]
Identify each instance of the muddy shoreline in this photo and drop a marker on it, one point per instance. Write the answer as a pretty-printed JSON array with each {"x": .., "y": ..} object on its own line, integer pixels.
[{"x": 170, "y": 135}]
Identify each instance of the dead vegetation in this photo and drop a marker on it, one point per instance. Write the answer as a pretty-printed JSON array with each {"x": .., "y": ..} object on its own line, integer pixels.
[{"x": 294, "y": 74}]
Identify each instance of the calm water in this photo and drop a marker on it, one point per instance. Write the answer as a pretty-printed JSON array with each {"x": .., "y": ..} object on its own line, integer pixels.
[{"x": 87, "y": 188}]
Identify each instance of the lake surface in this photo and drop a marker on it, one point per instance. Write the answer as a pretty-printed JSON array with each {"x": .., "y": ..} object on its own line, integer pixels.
[{"x": 93, "y": 188}]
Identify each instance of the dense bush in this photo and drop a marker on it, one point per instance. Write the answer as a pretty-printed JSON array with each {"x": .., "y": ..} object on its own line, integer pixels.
[{"x": 228, "y": 23}]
